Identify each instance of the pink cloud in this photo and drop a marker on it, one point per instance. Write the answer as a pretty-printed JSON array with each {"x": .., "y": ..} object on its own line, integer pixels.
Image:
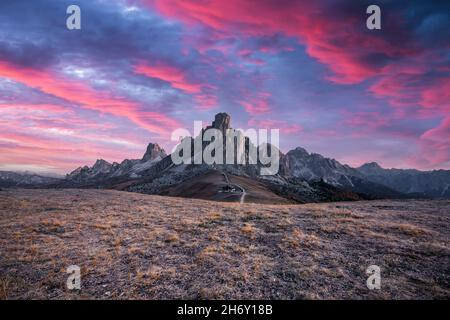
[
  {"x": 179, "y": 79},
  {"x": 61, "y": 148},
  {"x": 59, "y": 139},
  {"x": 342, "y": 44},
  {"x": 283, "y": 126},
  {"x": 336, "y": 42},
  {"x": 256, "y": 107},
  {"x": 176, "y": 77},
  {"x": 409, "y": 88},
  {"x": 257, "y": 104},
  {"x": 58, "y": 158},
  {"x": 435, "y": 147},
  {"x": 88, "y": 98},
  {"x": 364, "y": 123},
  {"x": 437, "y": 96}
]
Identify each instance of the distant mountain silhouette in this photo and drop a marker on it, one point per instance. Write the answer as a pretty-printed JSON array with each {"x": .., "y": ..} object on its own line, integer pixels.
[
  {"x": 434, "y": 183},
  {"x": 25, "y": 179}
]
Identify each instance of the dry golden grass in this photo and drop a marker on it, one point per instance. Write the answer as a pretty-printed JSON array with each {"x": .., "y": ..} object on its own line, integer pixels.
[{"x": 134, "y": 246}]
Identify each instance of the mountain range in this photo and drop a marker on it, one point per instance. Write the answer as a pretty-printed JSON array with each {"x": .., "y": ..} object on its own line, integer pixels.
[
  {"x": 302, "y": 177},
  {"x": 25, "y": 179}
]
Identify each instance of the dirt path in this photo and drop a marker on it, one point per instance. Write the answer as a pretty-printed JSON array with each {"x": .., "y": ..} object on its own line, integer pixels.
[{"x": 243, "y": 193}]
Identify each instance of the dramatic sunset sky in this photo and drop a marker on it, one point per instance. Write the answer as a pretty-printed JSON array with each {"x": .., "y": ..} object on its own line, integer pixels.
[{"x": 138, "y": 69}]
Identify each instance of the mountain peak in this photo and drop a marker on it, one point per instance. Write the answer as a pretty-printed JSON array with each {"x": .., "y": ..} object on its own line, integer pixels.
[
  {"x": 153, "y": 151},
  {"x": 370, "y": 168},
  {"x": 101, "y": 166},
  {"x": 371, "y": 165},
  {"x": 100, "y": 162},
  {"x": 222, "y": 121},
  {"x": 299, "y": 151}
]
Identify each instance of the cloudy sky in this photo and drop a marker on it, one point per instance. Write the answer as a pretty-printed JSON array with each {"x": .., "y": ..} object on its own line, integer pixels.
[{"x": 138, "y": 69}]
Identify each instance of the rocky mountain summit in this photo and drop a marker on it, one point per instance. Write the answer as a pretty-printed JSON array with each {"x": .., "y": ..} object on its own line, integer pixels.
[
  {"x": 153, "y": 152},
  {"x": 222, "y": 122},
  {"x": 301, "y": 164}
]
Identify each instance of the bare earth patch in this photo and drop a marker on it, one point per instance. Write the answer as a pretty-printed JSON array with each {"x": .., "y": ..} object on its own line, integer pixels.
[{"x": 134, "y": 246}]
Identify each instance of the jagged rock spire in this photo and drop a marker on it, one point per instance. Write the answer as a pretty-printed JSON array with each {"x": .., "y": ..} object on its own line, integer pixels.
[
  {"x": 222, "y": 121},
  {"x": 153, "y": 151}
]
